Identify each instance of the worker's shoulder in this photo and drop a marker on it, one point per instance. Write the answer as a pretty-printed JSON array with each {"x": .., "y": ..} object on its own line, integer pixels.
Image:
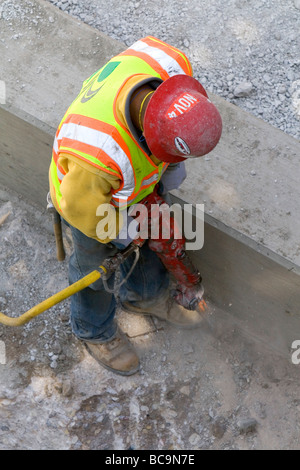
[{"x": 77, "y": 161}]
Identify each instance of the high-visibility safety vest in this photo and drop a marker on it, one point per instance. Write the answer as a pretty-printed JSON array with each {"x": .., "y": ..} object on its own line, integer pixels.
[{"x": 91, "y": 130}]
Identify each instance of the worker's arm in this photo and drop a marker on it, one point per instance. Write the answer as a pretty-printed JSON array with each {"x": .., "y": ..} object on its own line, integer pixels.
[
  {"x": 84, "y": 188},
  {"x": 172, "y": 178}
]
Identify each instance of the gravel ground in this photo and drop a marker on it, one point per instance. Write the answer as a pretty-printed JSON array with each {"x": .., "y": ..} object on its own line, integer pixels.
[{"x": 247, "y": 51}]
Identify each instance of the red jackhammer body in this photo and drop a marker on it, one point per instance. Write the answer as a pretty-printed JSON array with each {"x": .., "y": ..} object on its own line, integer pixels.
[{"x": 171, "y": 251}]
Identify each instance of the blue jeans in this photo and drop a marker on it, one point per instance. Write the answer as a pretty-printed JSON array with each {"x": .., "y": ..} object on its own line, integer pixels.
[{"x": 93, "y": 309}]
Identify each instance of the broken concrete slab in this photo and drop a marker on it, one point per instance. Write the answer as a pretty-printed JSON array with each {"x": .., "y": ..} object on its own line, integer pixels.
[
  {"x": 25, "y": 149},
  {"x": 45, "y": 57},
  {"x": 249, "y": 182},
  {"x": 259, "y": 289}
]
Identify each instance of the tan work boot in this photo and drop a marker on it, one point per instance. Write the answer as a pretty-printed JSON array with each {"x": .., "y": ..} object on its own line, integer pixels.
[
  {"x": 165, "y": 308},
  {"x": 117, "y": 355}
]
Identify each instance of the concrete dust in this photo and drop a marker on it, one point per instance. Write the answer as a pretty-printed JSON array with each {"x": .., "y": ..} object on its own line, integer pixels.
[{"x": 210, "y": 388}]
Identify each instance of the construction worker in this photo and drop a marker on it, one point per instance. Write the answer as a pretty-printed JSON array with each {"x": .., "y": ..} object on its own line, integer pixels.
[{"x": 131, "y": 127}]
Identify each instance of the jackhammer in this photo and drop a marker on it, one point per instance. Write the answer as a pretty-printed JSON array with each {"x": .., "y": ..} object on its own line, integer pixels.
[
  {"x": 169, "y": 245},
  {"x": 188, "y": 290}
]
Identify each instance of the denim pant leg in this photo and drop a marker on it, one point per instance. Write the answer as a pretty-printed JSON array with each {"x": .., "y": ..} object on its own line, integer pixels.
[
  {"x": 93, "y": 308},
  {"x": 148, "y": 280}
]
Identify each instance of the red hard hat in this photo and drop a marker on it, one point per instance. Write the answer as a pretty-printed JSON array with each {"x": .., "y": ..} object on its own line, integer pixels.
[{"x": 180, "y": 121}]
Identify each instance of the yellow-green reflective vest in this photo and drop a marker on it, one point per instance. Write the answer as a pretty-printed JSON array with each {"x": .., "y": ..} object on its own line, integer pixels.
[{"x": 91, "y": 130}]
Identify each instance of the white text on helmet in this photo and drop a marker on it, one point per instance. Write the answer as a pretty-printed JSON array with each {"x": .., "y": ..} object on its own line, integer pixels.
[{"x": 182, "y": 104}]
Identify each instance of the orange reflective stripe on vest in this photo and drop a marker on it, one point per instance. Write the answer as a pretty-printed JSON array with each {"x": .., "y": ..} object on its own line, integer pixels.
[{"x": 167, "y": 61}]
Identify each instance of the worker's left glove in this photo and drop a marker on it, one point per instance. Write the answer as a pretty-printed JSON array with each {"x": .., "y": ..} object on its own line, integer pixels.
[{"x": 172, "y": 178}]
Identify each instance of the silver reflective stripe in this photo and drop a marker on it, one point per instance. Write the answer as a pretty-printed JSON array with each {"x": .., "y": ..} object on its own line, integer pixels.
[
  {"x": 150, "y": 180},
  {"x": 124, "y": 201},
  {"x": 105, "y": 142},
  {"x": 55, "y": 150},
  {"x": 119, "y": 198},
  {"x": 55, "y": 145},
  {"x": 59, "y": 174},
  {"x": 119, "y": 202},
  {"x": 167, "y": 62}
]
